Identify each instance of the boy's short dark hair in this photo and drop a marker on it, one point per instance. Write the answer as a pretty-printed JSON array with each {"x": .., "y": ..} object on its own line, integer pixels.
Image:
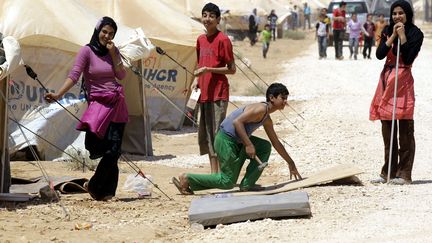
[
  {"x": 211, "y": 8},
  {"x": 343, "y": 3},
  {"x": 266, "y": 25},
  {"x": 276, "y": 89}
]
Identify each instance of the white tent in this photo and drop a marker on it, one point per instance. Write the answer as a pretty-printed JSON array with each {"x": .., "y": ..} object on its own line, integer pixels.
[
  {"x": 50, "y": 34},
  {"x": 173, "y": 32}
]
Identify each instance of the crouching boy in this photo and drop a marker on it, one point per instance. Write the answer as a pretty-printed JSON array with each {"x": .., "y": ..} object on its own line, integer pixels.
[{"x": 234, "y": 144}]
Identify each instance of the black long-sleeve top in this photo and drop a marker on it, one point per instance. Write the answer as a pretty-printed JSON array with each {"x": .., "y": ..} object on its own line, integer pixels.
[{"x": 408, "y": 50}]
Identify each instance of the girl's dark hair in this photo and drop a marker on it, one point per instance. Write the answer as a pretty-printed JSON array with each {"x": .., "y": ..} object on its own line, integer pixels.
[
  {"x": 406, "y": 6},
  {"x": 211, "y": 8},
  {"x": 409, "y": 18},
  {"x": 276, "y": 89}
]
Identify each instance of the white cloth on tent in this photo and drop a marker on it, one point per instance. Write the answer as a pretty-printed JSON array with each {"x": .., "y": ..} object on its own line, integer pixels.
[
  {"x": 12, "y": 54},
  {"x": 137, "y": 47}
]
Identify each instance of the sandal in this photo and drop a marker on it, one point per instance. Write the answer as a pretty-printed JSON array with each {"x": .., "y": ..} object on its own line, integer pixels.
[{"x": 183, "y": 191}]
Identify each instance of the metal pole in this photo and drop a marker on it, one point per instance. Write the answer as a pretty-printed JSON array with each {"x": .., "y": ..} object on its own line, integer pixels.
[
  {"x": 5, "y": 176},
  {"x": 394, "y": 110},
  {"x": 146, "y": 119}
]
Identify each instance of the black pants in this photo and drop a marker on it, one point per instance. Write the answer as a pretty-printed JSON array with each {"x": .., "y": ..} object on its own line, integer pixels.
[
  {"x": 338, "y": 42},
  {"x": 104, "y": 181},
  {"x": 406, "y": 149},
  {"x": 273, "y": 34},
  {"x": 252, "y": 37},
  {"x": 367, "y": 47}
]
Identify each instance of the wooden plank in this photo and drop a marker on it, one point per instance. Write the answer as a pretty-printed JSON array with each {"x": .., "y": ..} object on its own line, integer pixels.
[
  {"x": 213, "y": 210},
  {"x": 323, "y": 177}
]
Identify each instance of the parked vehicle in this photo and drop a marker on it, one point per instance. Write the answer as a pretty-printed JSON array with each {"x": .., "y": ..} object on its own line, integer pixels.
[
  {"x": 383, "y": 7},
  {"x": 360, "y": 7}
]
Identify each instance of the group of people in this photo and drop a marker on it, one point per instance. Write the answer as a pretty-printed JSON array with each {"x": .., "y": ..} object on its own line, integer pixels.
[
  {"x": 228, "y": 140},
  {"x": 295, "y": 16},
  {"x": 267, "y": 34},
  {"x": 367, "y": 31}
]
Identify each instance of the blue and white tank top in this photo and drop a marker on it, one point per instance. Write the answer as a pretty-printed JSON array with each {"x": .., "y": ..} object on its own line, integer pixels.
[{"x": 228, "y": 128}]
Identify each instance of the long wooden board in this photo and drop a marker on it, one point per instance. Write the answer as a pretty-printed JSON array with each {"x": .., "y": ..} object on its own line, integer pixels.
[{"x": 323, "y": 177}]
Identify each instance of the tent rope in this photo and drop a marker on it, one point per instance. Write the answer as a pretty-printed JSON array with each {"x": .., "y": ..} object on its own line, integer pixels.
[
  {"x": 262, "y": 80},
  {"x": 38, "y": 162},
  {"x": 82, "y": 161},
  {"x": 137, "y": 72},
  {"x": 129, "y": 162}
]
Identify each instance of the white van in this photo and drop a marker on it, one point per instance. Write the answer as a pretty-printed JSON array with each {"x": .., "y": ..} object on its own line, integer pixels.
[
  {"x": 361, "y": 7},
  {"x": 379, "y": 7}
]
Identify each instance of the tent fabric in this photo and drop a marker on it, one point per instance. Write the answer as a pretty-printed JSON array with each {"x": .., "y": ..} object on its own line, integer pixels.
[
  {"x": 159, "y": 20},
  {"x": 62, "y": 24},
  {"x": 49, "y": 42}
]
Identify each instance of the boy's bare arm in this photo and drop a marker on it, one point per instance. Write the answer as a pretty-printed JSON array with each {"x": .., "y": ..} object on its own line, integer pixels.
[
  {"x": 269, "y": 129},
  {"x": 230, "y": 68}
]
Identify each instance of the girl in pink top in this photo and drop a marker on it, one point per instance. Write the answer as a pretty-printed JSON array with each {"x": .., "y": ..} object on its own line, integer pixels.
[{"x": 106, "y": 115}]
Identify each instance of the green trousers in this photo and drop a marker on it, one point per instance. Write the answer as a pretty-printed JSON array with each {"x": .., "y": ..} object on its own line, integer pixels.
[{"x": 232, "y": 156}]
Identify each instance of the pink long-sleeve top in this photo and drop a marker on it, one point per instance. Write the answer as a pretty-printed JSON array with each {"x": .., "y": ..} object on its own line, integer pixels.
[{"x": 105, "y": 95}]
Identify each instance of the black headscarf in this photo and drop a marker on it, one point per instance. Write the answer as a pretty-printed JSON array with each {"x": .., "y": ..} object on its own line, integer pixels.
[
  {"x": 94, "y": 44},
  {"x": 408, "y": 12},
  {"x": 413, "y": 34}
]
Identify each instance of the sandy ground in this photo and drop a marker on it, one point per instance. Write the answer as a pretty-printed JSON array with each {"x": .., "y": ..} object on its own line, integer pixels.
[{"x": 333, "y": 97}]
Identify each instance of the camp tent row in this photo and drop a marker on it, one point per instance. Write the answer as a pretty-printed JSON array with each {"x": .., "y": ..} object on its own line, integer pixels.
[{"x": 51, "y": 33}]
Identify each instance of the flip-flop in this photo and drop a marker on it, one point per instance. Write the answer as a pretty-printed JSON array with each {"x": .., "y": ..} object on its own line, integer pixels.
[{"x": 182, "y": 190}]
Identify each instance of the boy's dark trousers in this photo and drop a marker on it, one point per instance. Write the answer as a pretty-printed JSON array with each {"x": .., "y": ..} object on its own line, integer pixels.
[
  {"x": 265, "y": 48},
  {"x": 338, "y": 42},
  {"x": 406, "y": 151},
  {"x": 367, "y": 47}
]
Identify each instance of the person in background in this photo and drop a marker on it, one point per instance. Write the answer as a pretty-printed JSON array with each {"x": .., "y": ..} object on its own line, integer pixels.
[
  {"x": 307, "y": 14},
  {"x": 272, "y": 20},
  {"x": 322, "y": 33},
  {"x": 235, "y": 143},
  {"x": 339, "y": 22},
  {"x": 380, "y": 24},
  {"x": 411, "y": 39},
  {"x": 369, "y": 26},
  {"x": 355, "y": 28},
  {"x": 295, "y": 17},
  {"x": 105, "y": 118},
  {"x": 215, "y": 60},
  {"x": 265, "y": 37},
  {"x": 253, "y": 26}
]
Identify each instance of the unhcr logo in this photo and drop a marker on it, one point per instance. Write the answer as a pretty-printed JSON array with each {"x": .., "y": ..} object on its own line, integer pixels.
[
  {"x": 160, "y": 75},
  {"x": 32, "y": 94}
]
